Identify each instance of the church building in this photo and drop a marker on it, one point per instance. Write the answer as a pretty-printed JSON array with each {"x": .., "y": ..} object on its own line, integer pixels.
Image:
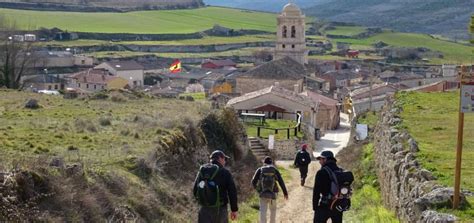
[{"x": 291, "y": 35}]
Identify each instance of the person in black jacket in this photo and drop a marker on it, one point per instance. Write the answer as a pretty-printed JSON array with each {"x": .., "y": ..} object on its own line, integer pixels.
[
  {"x": 268, "y": 201},
  {"x": 321, "y": 190},
  {"x": 227, "y": 191},
  {"x": 302, "y": 161}
]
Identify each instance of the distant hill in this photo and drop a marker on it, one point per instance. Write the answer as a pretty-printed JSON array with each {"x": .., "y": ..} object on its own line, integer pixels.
[
  {"x": 446, "y": 17},
  {"x": 262, "y": 5},
  {"x": 449, "y": 18},
  {"x": 99, "y": 5}
]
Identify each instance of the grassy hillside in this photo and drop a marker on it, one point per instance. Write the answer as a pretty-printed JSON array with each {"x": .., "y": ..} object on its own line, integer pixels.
[
  {"x": 152, "y": 22},
  {"x": 453, "y": 52},
  {"x": 449, "y": 18},
  {"x": 431, "y": 118},
  {"x": 82, "y": 160}
]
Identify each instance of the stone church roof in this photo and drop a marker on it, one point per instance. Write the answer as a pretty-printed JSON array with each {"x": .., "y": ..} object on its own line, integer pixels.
[
  {"x": 291, "y": 9},
  {"x": 281, "y": 69}
]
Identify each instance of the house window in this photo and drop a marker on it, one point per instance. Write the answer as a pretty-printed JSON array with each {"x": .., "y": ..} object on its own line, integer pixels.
[
  {"x": 95, "y": 86},
  {"x": 283, "y": 46},
  {"x": 83, "y": 62},
  {"x": 78, "y": 84},
  {"x": 284, "y": 32},
  {"x": 293, "y": 46},
  {"x": 293, "y": 31},
  {"x": 87, "y": 86},
  {"x": 49, "y": 87},
  {"x": 55, "y": 87}
]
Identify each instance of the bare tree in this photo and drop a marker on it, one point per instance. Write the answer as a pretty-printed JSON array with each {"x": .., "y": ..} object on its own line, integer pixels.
[{"x": 16, "y": 57}]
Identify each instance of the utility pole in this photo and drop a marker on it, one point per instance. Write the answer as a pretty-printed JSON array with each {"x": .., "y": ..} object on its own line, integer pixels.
[{"x": 371, "y": 74}]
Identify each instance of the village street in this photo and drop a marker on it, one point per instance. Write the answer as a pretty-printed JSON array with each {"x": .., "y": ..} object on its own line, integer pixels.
[{"x": 298, "y": 208}]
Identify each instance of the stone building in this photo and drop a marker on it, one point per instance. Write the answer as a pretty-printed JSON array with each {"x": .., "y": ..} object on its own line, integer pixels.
[
  {"x": 289, "y": 73},
  {"x": 291, "y": 35}
]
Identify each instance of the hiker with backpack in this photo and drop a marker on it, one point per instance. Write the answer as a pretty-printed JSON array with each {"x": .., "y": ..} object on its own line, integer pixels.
[
  {"x": 264, "y": 181},
  {"x": 302, "y": 161},
  {"x": 214, "y": 188},
  {"x": 332, "y": 190}
]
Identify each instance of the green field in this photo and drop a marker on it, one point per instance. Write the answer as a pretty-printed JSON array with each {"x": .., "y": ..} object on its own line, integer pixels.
[
  {"x": 346, "y": 30},
  {"x": 432, "y": 119},
  {"x": 453, "y": 52},
  {"x": 151, "y": 22}
]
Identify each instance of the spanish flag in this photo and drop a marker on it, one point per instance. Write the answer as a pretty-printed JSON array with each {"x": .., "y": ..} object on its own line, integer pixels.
[{"x": 175, "y": 66}]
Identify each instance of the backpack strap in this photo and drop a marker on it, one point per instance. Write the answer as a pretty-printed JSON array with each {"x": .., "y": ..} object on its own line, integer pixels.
[
  {"x": 332, "y": 175},
  {"x": 213, "y": 174}
]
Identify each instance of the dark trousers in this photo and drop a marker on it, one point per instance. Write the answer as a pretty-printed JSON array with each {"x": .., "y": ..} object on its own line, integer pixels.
[
  {"x": 213, "y": 215},
  {"x": 321, "y": 215},
  {"x": 303, "y": 171}
]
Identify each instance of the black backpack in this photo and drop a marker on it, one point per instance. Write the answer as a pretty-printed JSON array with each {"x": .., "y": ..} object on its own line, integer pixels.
[
  {"x": 207, "y": 192},
  {"x": 267, "y": 182},
  {"x": 341, "y": 191},
  {"x": 303, "y": 158}
]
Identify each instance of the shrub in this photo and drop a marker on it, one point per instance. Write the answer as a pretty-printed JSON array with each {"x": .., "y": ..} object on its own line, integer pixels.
[
  {"x": 105, "y": 121},
  {"x": 118, "y": 98},
  {"x": 32, "y": 104}
]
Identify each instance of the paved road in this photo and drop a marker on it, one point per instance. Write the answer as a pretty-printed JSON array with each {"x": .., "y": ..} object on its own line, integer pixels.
[{"x": 335, "y": 140}]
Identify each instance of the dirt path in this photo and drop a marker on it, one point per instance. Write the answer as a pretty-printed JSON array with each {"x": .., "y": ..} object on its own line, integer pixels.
[{"x": 298, "y": 208}]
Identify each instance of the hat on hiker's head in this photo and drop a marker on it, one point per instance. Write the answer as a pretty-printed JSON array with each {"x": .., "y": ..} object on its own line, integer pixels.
[
  {"x": 267, "y": 160},
  {"x": 304, "y": 146},
  {"x": 326, "y": 155},
  {"x": 218, "y": 154}
]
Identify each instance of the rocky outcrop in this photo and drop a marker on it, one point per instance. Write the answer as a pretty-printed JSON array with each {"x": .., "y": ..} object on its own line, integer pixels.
[{"x": 406, "y": 187}]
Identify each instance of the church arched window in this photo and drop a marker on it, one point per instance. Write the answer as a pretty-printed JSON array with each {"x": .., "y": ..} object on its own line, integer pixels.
[
  {"x": 284, "y": 32},
  {"x": 293, "y": 31}
]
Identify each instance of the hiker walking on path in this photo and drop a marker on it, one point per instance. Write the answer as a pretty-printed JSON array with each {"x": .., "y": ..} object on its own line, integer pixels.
[
  {"x": 302, "y": 160},
  {"x": 322, "y": 196},
  {"x": 214, "y": 188},
  {"x": 264, "y": 180}
]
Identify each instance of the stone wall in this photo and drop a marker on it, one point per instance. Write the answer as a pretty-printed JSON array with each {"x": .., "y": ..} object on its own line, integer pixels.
[
  {"x": 165, "y": 48},
  {"x": 285, "y": 149},
  {"x": 406, "y": 187}
]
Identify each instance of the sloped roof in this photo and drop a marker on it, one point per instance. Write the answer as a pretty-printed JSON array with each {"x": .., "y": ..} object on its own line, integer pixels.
[
  {"x": 94, "y": 76},
  {"x": 125, "y": 65},
  {"x": 222, "y": 63},
  {"x": 275, "y": 90},
  {"x": 284, "y": 68},
  {"x": 320, "y": 98},
  {"x": 374, "y": 87}
]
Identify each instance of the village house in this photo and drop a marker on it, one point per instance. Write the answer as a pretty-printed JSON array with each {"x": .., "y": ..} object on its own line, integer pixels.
[
  {"x": 341, "y": 78},
  {"x": 44, "y": 82},
  {"x": 93, "y": 80},
  {"x": 286, "y": 71},
  {"x": 50, "y": 59},
  {"x": 317, "y": 84},
  {"x": 219, "y": 64},
  {"x": 278, "y": 103},
  {"x": 216, "y": 78},
  {"x": 128, "y": 70},
  {"x": 328, "y": 112}
]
